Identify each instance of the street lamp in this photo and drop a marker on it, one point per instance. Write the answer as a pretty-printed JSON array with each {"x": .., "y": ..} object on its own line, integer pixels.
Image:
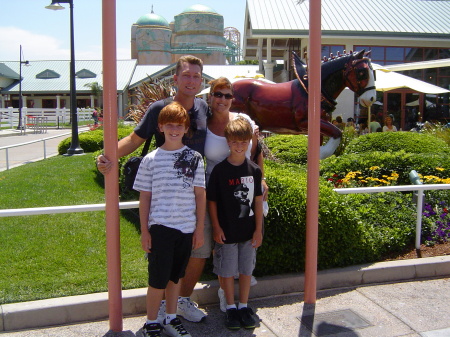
[
  {"x": 75, "y": 143},
  {"x": 19, "y": 125}
]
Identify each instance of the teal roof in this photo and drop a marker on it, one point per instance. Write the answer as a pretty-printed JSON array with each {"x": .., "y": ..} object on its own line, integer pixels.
[
  {"x": 199, "y": 8},
  {"x": 7, "y": 72},
  {"x": 152, "y": 19}
]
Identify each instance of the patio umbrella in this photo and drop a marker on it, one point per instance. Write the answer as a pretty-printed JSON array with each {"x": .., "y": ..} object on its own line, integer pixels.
[
  {"x": 389, "y": 80},
  {"x": 416, "y": 102}
]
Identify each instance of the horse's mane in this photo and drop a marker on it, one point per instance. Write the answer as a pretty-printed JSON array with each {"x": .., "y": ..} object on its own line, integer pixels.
[{"x": 334, "y": 63}]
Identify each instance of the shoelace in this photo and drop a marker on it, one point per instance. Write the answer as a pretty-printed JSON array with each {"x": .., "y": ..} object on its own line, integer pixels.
[{"x": 179, "y": 327}]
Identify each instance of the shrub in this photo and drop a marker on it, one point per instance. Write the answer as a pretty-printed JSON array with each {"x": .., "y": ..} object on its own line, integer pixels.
[
  {"x": 352, "y": 228},
  {"x": 336, "y": 168},
  {"x": 288, "y": 148},
  {"x": 411, "y": 142},
  {"x": 92, "y": 141}
]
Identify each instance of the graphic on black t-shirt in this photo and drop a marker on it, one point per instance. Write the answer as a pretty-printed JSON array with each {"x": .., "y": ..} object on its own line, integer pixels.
[
  {"x": 186, "y": 163},
  {"x": 241, "y": 195}
]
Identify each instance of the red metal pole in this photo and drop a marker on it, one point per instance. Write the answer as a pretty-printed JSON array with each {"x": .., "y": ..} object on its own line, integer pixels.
[
  {"x": 312, "y": 195},
  {"x": 111, "y": 178}
]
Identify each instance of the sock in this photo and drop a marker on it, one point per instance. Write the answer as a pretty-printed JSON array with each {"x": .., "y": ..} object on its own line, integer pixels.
[
  {"x": 242, "y": 305},
  {"x": 169, "y": 318},
  {"x": 231, "y": 306},
  {"x": 149, "y": 321}
]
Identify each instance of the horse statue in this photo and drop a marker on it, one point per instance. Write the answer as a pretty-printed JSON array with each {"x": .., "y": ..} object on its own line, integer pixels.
[{"x": 283, "y": 107}]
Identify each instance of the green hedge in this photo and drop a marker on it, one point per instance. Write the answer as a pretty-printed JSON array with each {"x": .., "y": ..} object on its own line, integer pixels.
[
  {"x": 353, "y": 229},
  {"x": 288, "y": 148},
  {"x": 399, "y": 162},
  {"x": 411, "y": 142},
  {"x": 92, "y": 141}
]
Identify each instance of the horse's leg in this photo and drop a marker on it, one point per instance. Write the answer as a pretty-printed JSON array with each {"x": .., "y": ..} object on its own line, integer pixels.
[{"x": 327, "y": 129}]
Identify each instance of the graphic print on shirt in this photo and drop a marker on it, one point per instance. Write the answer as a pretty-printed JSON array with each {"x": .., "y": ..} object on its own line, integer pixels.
[
  {"x": 243, "y": 194},
  {"x": 186, "y": 163}
]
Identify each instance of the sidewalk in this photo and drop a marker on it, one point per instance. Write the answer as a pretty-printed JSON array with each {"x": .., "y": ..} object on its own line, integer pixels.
[
  {"x": 31, "y": 152},
  {"x": 406, "y": 298}
]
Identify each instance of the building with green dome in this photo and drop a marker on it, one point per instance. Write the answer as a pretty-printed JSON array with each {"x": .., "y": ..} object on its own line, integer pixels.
[{"x": 198, "y": 30}]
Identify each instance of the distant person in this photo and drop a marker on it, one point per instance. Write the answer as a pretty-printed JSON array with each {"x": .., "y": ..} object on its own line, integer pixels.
[
  {"x": 95, "y": 117},
  {"x": 340, "y": 123},
  {"x": 373, "y": 125},
  {"x": 235, "y": 205},
  {"x": 172, "y": 206},
  {"x": 388, "y": 126},
  {"x": 350, "y": 126}
]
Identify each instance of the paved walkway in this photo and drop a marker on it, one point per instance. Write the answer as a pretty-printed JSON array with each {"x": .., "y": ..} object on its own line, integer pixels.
[
  {"x": 407, "y": 298},
  {"x": 31, "y": 152}
]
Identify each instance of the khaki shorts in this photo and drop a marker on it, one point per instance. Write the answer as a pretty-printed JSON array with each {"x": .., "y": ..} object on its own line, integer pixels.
[{"x": 204, "y": 251}]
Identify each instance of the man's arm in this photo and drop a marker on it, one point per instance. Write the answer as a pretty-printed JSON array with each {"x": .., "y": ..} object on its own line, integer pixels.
[{"x": 125, "y": 146}]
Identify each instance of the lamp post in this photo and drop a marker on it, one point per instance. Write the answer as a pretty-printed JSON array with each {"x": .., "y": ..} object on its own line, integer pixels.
[
  {"x": 75, "y": 143},
  {"x": 19, "y": 125}
]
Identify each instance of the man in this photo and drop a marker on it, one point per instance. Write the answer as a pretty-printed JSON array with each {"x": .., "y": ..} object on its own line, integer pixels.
[{"x": 188, "y": 80}]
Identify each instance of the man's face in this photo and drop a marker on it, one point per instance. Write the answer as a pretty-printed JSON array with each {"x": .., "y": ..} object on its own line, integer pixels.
[{"x": 189, "y": 79}]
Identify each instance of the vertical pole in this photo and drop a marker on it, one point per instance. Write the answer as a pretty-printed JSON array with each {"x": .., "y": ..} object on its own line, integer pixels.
[
  {"x": 19, "y": 124},
  {"x": 314, "y": 111},
  {"x": 75, "y": 143},
  {"x": 111, "y": 178}
]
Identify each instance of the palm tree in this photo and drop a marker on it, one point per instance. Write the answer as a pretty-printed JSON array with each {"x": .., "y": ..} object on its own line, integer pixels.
[{"x": 96, "y": 90}]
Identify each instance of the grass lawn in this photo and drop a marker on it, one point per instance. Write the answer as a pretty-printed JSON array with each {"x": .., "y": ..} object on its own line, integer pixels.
[{"x": 45, "y": 256}]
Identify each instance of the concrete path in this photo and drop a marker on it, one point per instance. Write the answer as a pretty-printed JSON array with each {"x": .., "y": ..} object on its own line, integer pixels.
[
  {"x": 32, "y": 152},
  {"x": 407, "y": 298}
]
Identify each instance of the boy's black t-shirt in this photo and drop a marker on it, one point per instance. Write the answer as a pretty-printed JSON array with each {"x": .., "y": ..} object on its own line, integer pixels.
[
  {"x": 234, "y": 189},
  {"x": 148, "y": 126}
]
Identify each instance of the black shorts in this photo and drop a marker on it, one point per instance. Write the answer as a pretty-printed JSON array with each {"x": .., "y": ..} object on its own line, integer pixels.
[{"x": 170, "y": 253}]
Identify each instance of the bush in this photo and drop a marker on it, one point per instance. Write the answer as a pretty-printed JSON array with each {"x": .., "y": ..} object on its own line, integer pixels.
[
  {"x": 352, "y": 228},
  {"x": 92, "y": 141},
  {"x": 335, "y": 168},
  {"x": 288, "y": 148},
  {"x": 411, "y": 142}
]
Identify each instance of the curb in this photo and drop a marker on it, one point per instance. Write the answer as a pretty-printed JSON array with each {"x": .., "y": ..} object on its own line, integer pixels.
[{"x": 91, "y": 307}]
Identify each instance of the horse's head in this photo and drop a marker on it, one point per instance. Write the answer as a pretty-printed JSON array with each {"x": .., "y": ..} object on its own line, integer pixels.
[{"x": 360, "y": 77}]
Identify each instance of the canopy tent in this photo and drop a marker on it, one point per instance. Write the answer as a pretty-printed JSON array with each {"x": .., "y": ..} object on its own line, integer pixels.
[
  {"x": 416, "y": 102},
  {"x": 389, "y": 80}
]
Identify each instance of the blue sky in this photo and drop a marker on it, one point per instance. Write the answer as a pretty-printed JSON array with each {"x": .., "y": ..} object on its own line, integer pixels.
[{"x": 44, "y": 34}]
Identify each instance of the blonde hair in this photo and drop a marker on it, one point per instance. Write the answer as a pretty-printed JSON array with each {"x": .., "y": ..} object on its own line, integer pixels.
[
  {"x": 174, "y": 113},
  {"x": 188, "y": 59},
  {"x": 238, "y": 129}
]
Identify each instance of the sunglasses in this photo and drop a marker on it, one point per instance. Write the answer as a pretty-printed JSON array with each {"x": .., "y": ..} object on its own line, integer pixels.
[{"x": 219, "y": 94}]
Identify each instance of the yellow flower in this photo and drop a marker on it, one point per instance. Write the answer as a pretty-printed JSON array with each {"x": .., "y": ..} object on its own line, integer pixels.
[
  {"x": 440, "y": 169},
  {"x": 373, "y": 168}
]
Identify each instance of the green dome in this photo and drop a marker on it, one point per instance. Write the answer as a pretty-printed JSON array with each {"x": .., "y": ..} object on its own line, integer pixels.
[
  {"x": 199, "y": 8},
  {"x": 152, "y": 19}
]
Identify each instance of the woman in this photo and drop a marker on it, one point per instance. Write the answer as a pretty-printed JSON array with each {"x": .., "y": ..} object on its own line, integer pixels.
[
  {"x": 216, "y": 146},
  {"x": 388, "y": 126}
]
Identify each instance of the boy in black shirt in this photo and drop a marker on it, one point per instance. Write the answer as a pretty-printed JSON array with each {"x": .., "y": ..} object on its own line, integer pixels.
[{"x": 235, "y": 205}]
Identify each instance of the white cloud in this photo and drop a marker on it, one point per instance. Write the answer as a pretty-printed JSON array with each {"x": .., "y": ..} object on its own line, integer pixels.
[{"x": 40, "y": 47}]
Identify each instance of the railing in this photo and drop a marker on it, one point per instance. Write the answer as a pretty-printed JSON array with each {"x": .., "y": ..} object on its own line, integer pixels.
[
  {"x": 6, "y": 148},
  {"x": 401, "y": 188},
  {"x": 9, "y": 117}
]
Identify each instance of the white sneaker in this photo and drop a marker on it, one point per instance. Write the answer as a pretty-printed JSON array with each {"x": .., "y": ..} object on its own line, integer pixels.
[
  {"x": 189, "y": 310},
  {"x": 175, "y": 329},
  {"x": 162, "y": 312},
  {"x": 222, "y": 300},
  {"x": 253, "y": 281}
]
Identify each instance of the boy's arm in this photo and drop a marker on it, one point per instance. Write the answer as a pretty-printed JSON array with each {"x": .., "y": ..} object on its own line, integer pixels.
[
  {"x": 257, "y": 234},
  {"x": 200, "y": 200},
  {"x": 218, "y": 233},
  {"x": 145, "y": 199}
]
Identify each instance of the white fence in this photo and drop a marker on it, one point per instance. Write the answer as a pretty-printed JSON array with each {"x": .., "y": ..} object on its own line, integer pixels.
[{"x": 9, "y": 117}]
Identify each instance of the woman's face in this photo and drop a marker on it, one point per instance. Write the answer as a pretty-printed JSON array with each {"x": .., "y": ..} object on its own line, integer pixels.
[
  {"x": 388, "y": 121},
  {"x": 221, "y": 99}
]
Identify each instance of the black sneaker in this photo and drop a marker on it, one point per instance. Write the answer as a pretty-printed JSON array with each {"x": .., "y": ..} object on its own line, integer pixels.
[
  {"x": 152, "y": 330},
  {"x": 245, "y": 317},
  {"x": 175, "y": 328},
  {"x": 232, "y": 319}
]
